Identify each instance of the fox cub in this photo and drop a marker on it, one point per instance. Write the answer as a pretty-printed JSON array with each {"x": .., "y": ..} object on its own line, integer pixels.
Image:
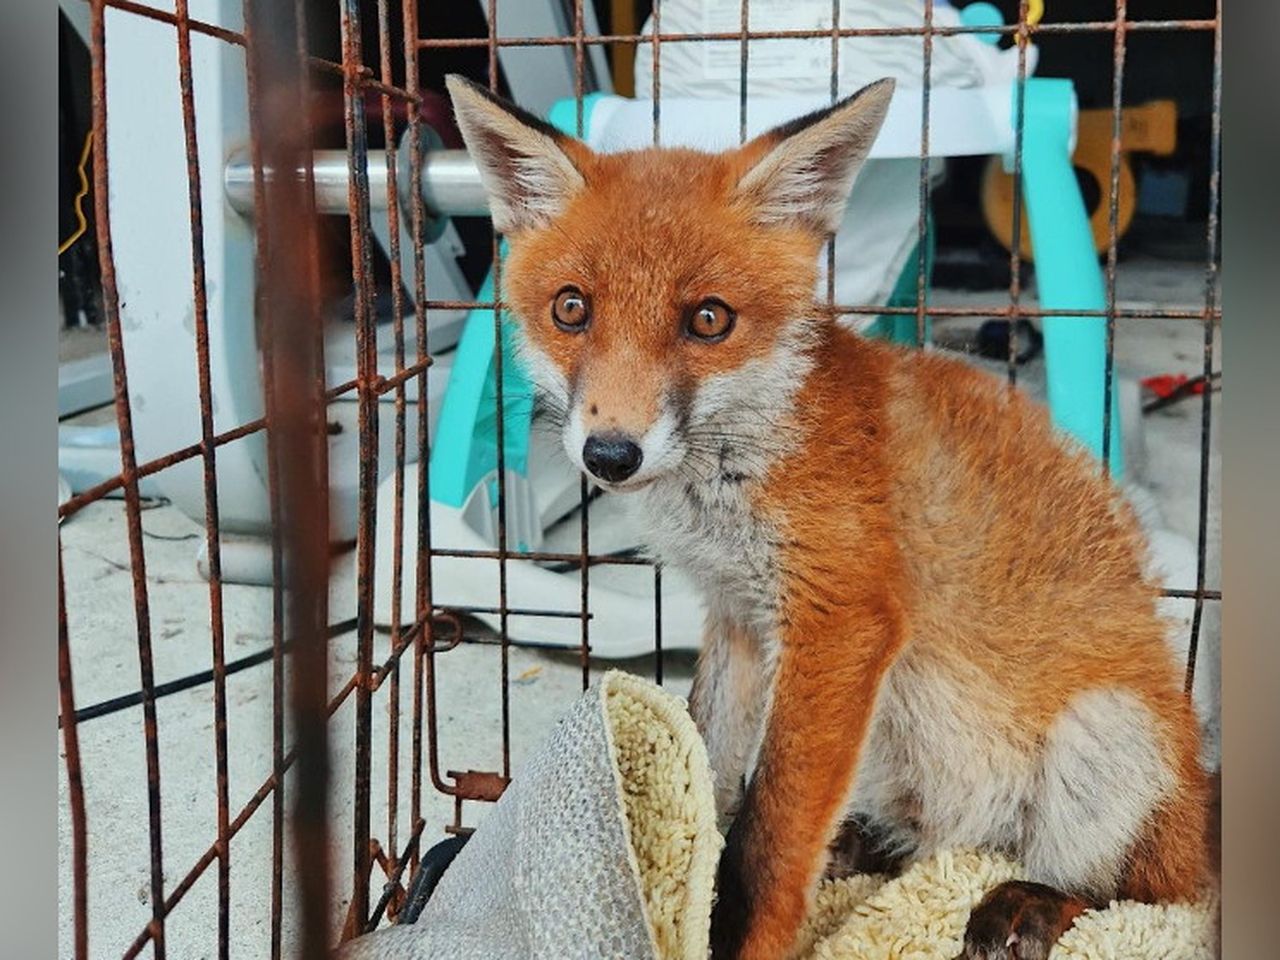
[{"x": 928, "y": 620}]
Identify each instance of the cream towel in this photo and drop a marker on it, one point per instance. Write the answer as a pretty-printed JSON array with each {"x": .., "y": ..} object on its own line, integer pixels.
[{"x": 605, "y": 846}]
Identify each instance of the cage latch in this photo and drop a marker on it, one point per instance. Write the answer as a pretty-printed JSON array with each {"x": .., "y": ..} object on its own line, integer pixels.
[{"x": 478, "y": 785}]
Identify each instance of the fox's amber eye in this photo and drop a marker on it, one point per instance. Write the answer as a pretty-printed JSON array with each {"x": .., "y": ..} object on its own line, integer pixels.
[
  {"x": 569, "y": 310},
  {"x": 711, "y": 320}
]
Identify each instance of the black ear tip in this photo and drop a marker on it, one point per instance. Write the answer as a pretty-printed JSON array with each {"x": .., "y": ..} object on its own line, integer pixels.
[
  {"x": 483, "y": 105},
  {"x": 881, "y": 89},
  {"x": 873, "y": 97},
  {"x": 456, "y": 82},
  {"x": 466, "y": 91},
  {"x": 460, "y": 86}
]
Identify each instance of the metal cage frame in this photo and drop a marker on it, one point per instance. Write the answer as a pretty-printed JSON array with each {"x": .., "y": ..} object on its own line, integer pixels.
[{"x": 288, "y": 264}]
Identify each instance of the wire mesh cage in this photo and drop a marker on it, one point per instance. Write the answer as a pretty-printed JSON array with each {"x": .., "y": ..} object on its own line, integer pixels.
[{"x": 334, "y": 774}]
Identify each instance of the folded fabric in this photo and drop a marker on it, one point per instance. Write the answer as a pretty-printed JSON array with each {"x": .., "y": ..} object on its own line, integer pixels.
[
  {"x": 780, "y": 66},
  {"x": 605, "y": 845}
]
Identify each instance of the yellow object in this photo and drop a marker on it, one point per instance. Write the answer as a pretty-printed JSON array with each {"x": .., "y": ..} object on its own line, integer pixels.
[
  {"x": 1035, "y": 10},
  {"x": 623, "y": 20},
  {"x": 1151, "y": 128},
  {"x": 81, "y": 224}
]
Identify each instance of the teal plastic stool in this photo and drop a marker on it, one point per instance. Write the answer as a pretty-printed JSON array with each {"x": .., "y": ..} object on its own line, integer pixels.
[
  {"x": 901, "y": 327},
  {"x": 1068, "y": 275},
  {"x": 466, "y": 442},
  {"x": 1067, "y": 272}
]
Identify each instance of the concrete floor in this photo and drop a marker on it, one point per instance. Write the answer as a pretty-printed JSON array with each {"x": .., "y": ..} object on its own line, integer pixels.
[{"x": 101, "y": 624}]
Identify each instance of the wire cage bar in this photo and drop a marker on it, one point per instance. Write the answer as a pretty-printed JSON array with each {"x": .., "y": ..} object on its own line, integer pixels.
[{"x": 380, "y": 859}]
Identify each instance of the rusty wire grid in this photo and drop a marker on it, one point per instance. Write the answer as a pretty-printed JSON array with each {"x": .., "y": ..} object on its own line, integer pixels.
[{"x": 289, "y": 264}]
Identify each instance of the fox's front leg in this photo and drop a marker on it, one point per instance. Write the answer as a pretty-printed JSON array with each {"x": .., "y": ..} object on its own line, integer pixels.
[
  {"x": 832, "y": 659},
  {"x": 727, "y": 703}
]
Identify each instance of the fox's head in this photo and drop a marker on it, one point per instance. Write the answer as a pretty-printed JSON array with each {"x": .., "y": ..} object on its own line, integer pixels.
[{"x": 665, "y": 296}]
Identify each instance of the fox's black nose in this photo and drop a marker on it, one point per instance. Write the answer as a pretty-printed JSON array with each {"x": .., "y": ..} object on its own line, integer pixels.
[{"x": 611, "y": 456}]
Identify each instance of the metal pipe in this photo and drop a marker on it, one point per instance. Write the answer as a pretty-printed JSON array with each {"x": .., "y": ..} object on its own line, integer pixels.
[
  {"x": 451, "y": 186},
  {"x": 450, "y": 183}
]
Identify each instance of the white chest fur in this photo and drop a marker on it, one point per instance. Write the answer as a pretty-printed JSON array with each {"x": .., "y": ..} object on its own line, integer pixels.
[{"x": 709, "y": 529}]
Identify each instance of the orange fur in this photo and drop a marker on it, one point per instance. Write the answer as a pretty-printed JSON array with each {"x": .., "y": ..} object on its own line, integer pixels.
[
  {"x": 918, "y": 509},
  {"x": 625, "y": 365}
]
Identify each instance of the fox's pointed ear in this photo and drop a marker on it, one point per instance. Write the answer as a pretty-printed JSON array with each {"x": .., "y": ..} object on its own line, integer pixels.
[
  {"x": 802, "y": 171},
  {"x": 527, "y": 166}
]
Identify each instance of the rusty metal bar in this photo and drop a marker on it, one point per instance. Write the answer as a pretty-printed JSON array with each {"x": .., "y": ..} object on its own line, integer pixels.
[
  {"x": 1211, "y": 303},
  {"x": 992, "y": 310},
  {"x": 579, "y": 63},
  {"x": 212, "y": 523},
  {"x": 278, "y": 639},
  {"x": 199, "y": 678},
  {"x": 1021, "y": 38},
  {"x": 75, "y": 782},
  {"x": 112, "y": 484},
  {"x": 408, "y": 638},
  {"x": 1113, "y": 223},
  {"x": 128, "y": 464},
  {"x": 922, "y": 225},
  {"x": 584, "y": 497},
  {"x": 500, "y": 440},
  {"x": 834, "y": 92},
  {"x": 293, "y": 381},
  {"x": 258, "y": 184},
  {"x": 367, "y": 417},
  {"x": 744, "y": 32},
  {"x": 1093, "y": 26},
  {"x": 1047, "y": 29},
  {"x": 423, "y": 640},
  {"x": 658, "y": 658},
  {"x": 655, "y": 87},
  {"x": 397, "y": 532}
]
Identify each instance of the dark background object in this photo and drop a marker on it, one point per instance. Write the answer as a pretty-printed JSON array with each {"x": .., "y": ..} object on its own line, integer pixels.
[
  {"x": 78, "y": 283},
  {"x": 992, "y": 340},
  {"x": 434, "y": 863}
]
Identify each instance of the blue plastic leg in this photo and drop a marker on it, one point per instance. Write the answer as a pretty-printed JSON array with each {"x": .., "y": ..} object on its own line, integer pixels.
[
  {"x": 1068, "y": 275},
  {"x": 466, "y": 442},
  {"x": 898, "y": 327}
]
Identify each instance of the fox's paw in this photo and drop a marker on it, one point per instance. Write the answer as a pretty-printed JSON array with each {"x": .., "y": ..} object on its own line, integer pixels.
[
  {"x": 859, "y": 848},
  {"x": 1019, "y": 920}
]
